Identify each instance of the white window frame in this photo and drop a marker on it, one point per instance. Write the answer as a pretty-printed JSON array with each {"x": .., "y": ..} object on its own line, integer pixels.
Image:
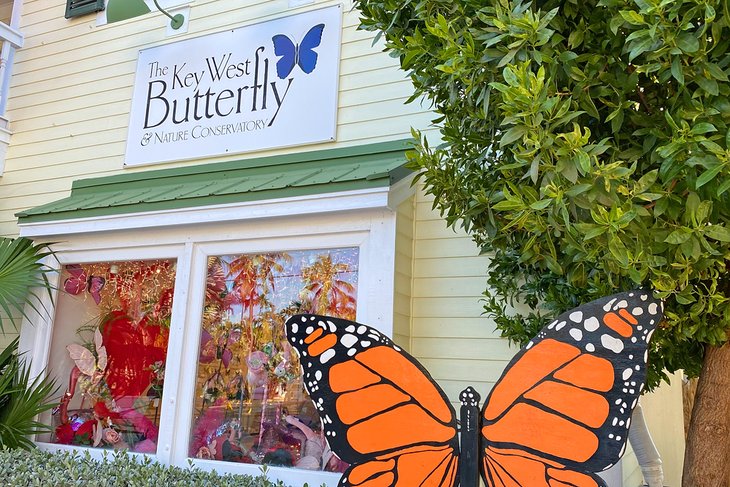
[{"x": 364, "y": 219}]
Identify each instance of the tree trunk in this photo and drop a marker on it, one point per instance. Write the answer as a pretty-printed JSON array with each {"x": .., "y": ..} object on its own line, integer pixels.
[{"x": 707, "y": 458}]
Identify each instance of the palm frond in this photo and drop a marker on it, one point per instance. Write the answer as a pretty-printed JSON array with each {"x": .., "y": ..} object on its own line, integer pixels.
[
  {"x": 21, "y": 270},
  {"x": 21, "y": 401}
]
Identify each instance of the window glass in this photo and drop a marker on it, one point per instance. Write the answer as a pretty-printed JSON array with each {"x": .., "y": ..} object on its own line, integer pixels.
[
  {"x": 250, "y": 405},
  {"x": 108, "y": 352}
]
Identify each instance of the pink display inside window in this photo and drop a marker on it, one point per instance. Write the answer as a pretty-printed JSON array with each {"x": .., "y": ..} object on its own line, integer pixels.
[
  {"x": 109, "y": 348},
  {"x": 250, "y": 404}
]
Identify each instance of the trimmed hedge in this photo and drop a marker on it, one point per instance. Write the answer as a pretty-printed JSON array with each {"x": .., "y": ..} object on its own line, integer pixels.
[{"x": 20, "y": 468}]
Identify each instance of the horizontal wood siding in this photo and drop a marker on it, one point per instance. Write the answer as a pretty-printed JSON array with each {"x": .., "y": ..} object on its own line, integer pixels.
[
  {"x": 403, "y": 274},
  {"x": 450, "y": 336},
  {"x": 71, "y": 91}
]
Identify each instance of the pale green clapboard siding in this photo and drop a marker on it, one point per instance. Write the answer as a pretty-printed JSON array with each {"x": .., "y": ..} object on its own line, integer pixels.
[
  {"x": 450, "y": 336},
  {"x": 403, "y": 274},
  {"x": 71, "y": 90}
]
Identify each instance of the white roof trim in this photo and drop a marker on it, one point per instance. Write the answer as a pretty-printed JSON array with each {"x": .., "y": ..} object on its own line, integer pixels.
[{"x": 249, "y": 210}]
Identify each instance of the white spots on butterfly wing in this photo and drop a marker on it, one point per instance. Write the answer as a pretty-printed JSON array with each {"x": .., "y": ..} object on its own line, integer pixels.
[
  {"x": 638, "y": 311},
  {"x": 590, "y": 347},
  {"x": 295, "y": 327},
  {"x": 591, "y": 324},
  {"x": 653, "y": 308},
  {"x": 627, "y": 373},
  {"x": 365, "y": 343},
  {"x": 318, "y": 375},
  {"x": 607, "y": 306},
  {"x": 643, "y": 297},
  {"x": 617, "y": 401},
  {"x": 646, "y": 356},
  {"x": 623, "y": 449},
  {"x": 361, "y": 329},
  {"x": 552, "y": 325},
  {"x": 350, "y": 329},
  {"x": 611, "y": 343},
  {"x": 576, "y": 316},
  {"x": 576, "y": 333},
  {"x": 397, "y": 348},
  {"x": 529, "y": 345},
  {"x": 348, "y": 340},
  {"x": 633, "y": 339},
  {"x": 560, "y": 326},
  {"x": 614, "y": 422},
  {"x": 327, "y": 355},
  {"x": 648, "y": 336},
  {"x": 309, "y": 330},
  {"x": 621, "y": 304},
  {"x": 351, "y": 352},
  {"x": 331, "y": 326}
]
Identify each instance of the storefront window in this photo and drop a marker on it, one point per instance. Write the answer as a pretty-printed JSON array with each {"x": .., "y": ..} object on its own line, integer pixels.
[
  {"x": 250, "y": 404},
  {"x": 109, "y": 346}
]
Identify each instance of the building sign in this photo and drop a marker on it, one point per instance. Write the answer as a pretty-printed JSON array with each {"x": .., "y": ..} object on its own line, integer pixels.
[{"x": 272, "y": 84}]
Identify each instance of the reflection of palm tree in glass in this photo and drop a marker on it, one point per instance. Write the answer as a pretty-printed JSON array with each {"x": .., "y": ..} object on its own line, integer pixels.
[
  {"x": 328, "y": 293},
  {"x": 253, "y": 279}
]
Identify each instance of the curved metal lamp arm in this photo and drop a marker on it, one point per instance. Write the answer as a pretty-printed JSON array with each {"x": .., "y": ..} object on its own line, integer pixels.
[{"x": 175, "y": 21}]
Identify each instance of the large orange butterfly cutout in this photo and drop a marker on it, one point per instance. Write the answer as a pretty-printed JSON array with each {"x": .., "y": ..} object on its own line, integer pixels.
[{"x": 559, "y": 413}]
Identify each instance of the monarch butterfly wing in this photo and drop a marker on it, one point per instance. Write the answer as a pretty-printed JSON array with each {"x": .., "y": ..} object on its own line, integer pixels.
[
  {"x": 307, "y": 56},
  {"x": 381, "y": 411},
  {"x": 562, "y": 408},
  {"x": 284, "y": 47}
]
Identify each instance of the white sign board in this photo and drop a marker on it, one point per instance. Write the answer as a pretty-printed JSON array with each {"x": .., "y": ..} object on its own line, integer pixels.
[{"x": 272, "y": 84}]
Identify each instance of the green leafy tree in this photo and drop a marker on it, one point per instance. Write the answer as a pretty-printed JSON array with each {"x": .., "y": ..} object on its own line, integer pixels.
[
  {"x": 586, "y": 147},
  {"x": 22, "y": 397}
]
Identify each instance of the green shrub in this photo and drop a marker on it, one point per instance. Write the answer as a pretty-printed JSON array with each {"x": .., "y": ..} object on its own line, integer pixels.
[{"x": 20, "y": 468}]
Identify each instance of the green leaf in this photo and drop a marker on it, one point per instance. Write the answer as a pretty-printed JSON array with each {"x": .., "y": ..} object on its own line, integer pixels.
[
  {"x": 677, "y": 71},
  {"x": 541, "y": 205},
  {"x": 578, "y": 189},
  {"x": 708, "y": 176},
  {"x": 717, "y": 232},
  {"x": 724, "y": 186},
  {"x": 512, "y": 134},
  {"x": 709, "y": 85},
  {"x": 702, "y": 128},
  {"x": 616, "y": 22},
  {"x": 618, "y": 251},
  {"x": 715, "y": 71},
  {"x": 679, "y": 236},
  {"x": 640, "y": 47},
  {"x": 687, "y": 42},
  {"x": 632, "y": 17}
]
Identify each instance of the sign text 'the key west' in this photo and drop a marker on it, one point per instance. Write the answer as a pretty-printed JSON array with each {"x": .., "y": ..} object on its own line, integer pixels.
[{"x": 272, "y": 84}]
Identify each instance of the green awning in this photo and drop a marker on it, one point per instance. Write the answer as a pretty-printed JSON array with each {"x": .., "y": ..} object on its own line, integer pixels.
[{"x": 307, "y": 173}]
